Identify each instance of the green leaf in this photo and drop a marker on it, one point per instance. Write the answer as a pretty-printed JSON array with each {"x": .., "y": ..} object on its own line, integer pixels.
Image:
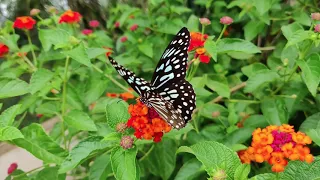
[
  {"x": 238, "y": 136},
  {"x": 290, "y": 29},
  {"x": 192, "y": 23},
  {"x": 301, "y": 170},
  {"x": 7, "y": 116},
  {"x": 11, "y": 41},
  {"x": 256, "y": 121},
  {"x": 302, "y": 18},
  {"x": 48, "y": 108},
  {"x": 79, "y": 54},
  {"x": 259, "y": 79},
  {"x": 314, "y": 134},
  {"x": 39, "y": 80},
  {"x": 123, "y": 163},
  {"x": 116, "y": 112},
  {"x": 311, "y": 72},
  {"x": 50, "y": 173},
  {"x": 179, "y": 9},
  {"x": 242, "y": 172},
  {"x": 95, "y": 52},
  {"x": 51, "y": 55},
  {"x": 82, "y": 151},
  {"x": 100, "y": 168},
  {"x": 189, "y": 170},
  {"x": 219, "y": 84},
  {"x": 80, "y": 121},
  {"x": 262, "y": 6},
  {"x": 38, "y": 143},
  {"x": 211, "y": 48},
  {"x": 275, "y": 111},
  {"x": 146, "y": 48},
  {"x": 73, "y": 98},
  {"x": 252, "y": 29},
  {"x": 226, "y": 45},
  {"x": 298, "y": 36},
  {"x": 49, "y": 37},
  {"x": 208, "y": 109},
  {"x": 95, "y": 88},
  {"x": 214, "y": 156},
  {"x": 9, "y": 133},
  {"x": 312, "y": 122},
  {"x": 163, "y": 166},
  {"x": 12, "y": 87},
  {"x": 254, "y": 68},
  {"x": 266, "y": 176}
]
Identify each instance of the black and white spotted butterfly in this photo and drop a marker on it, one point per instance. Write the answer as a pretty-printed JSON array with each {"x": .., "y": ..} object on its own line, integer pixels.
[{"x": 168, "y": 93}]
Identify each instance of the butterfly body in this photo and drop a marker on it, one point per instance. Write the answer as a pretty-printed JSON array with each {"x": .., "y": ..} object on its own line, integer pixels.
[{"x": 168, "y": 92}]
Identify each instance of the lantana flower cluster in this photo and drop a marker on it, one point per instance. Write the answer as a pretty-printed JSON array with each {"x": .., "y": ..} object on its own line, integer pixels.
[
  {"x": 197, "y": 43},
  {"x": 277, "y": 145},
  {"x": 146, "y": 122}
]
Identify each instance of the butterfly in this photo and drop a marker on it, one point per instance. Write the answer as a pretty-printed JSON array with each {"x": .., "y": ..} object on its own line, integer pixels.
[{"x": 168, "y": 93}]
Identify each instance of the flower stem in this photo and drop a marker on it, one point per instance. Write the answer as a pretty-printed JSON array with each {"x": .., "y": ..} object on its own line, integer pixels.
[
  {"x": 64, "y": 95},
  {"x": 33, "y": 68},
  {"x": 147, "y": 154},
  {"x": 202, "y": 32},
  {"x": 111, "y": 78},
  {"x": 32, "y": 50},
  {"x": 28, "y": 172},
  {"x": 243, "y": 100},
  {"x": 221, "y": 33}
]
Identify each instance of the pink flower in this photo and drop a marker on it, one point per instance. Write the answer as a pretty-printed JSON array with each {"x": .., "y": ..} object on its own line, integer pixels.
[
  {"x": 315, "y": 16},
  {"x": 123, "y": 39},
  {"x": 87, "y": 31},
  {"x": 126, "y": 142},
  {"x": 94, "y": 23},
  {"x": 12, "y": 168},
  {"x": 204, "y": 21},
  {"x": 117, "y": 24},
  {"x": 317, "y": 28},
  {"x": 226, "y": 20},
  {"x": 134, "y": 27}
]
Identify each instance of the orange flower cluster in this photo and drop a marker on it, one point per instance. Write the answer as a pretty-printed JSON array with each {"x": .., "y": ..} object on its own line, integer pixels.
[
  {"x": 197, "y": 43},
  {"x": 24, "y": 22},
  {"x": 4, "y": 49},
  {"x": 70, "y": 17},
  {"x": 146, "y": 122},
  {"x": 276, "y": 145},
  {"x": 125, "y": 96}
]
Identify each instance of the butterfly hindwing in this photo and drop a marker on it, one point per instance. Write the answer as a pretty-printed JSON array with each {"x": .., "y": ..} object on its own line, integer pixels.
[
  {"x": 182, "y": 97},
  {"x": 138, "y": 84},
  {"x": 167, "y": 111},
  {"x": 173, "y": 63}
]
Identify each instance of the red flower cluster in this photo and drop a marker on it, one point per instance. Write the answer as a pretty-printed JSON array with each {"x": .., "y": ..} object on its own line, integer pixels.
[
  {"x": 24, "y": 22},
  {"x": 70, "y": 17},
  {"x": 134, "y": 27},
  {"x": 123, "y": 39},
  {"x": 87, "y": 31},
  {"x": 109, "y": 52},
  {"x": 276, "y": 145},
  {"x": 197, "y": 43},
  {"x": 117, "y": 24},
  {"x": 94, "y": 23},
  {"x": 3, "y": 50},
  {"x": 146, "y": 122}
]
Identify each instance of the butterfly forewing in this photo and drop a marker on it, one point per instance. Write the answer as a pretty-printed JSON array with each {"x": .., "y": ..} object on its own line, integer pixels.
[
  {"x": 138, "y": 84},
  {"x": 167, "y": 111},
  {"x": 182, "y": 97},
  {"x": 173, "y": 63}
]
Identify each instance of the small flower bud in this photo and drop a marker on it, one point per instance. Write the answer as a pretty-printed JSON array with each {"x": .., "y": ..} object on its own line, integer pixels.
[
  {"x": 216, "y": 114},
  {"x": 73, "y": 40},
  {"x": 317, "y": 28},
  {"x": 121, "y": 127},
  {"x": 134, "y": 27},
  {"x": 226, "y": 20},
  {"x": 34, "y": 12},
  {"x": 54, "y": 91},
  {"x": 140, "y": 40},
  {"x": 126, "y": 142},
  {"x": 94, "y": 23},
  {"x": 286, "y": 62},
  {"x": 124, "y": 39},
  {"x": 293, "y": 96},
  {"x": 315, "y": 16},
  {"x": 204, "y": 21},
  {"x": 12, "y": 168},
  {"x": 117, "y": 24},
  {"x": 219, "y": 175},
  {"x": 52, "y": 9}
]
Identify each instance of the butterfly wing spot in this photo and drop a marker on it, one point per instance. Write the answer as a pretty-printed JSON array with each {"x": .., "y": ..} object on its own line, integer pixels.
[
  {"x": 169, "y": 68},
  {"x": 177, "y": 66},
  {"x": 185, "y": 103},
  {"x": 178, "y": 75}
]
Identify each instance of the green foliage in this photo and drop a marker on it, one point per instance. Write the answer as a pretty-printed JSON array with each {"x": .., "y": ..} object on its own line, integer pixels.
[{"x": 263, "y": 69}]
